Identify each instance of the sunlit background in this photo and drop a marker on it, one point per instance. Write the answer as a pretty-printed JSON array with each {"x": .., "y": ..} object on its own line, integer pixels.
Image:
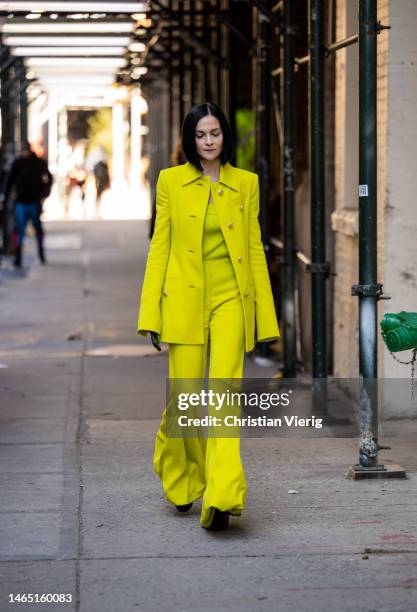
[{"x": 85, "y": 108}]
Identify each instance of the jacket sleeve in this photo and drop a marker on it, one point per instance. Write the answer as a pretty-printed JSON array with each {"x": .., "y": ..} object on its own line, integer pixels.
[
  {"x": 266, "y": 319},
  {"x": 149, "y": 317}
]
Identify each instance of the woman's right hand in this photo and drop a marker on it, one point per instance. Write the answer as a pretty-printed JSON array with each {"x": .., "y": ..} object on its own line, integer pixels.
[{"x": 155, "y": 340}]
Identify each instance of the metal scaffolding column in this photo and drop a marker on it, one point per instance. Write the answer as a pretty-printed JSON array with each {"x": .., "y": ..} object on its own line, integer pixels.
[
  {"x": 181, "y": 68},
  {"x": 192, "y": 55},
  {"x": 262, "y": 108},
  {"x": 319, "y": 268},
  {"x": 219, "y": 53},
  {"x": 289, "y": 259},
  {"x": 230, "y": 84},
  {"x": 368, "y": 289},
  {"x": 208, "y": 94},
  {"x": 23, "y": 106}
]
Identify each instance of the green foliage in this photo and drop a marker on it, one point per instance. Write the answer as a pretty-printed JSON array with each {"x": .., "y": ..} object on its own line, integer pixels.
[
  {"x": 245, "y": 148},
  {"x": 100, "y": 130}
]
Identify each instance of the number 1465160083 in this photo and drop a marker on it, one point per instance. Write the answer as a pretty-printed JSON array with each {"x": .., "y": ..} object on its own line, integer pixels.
[{"x": 40, "y": 598}]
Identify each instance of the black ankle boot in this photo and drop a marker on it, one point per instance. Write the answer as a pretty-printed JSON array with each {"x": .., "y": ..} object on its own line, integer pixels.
[
  {"x": 17, "y": 261},
  {"x": 220, "y": 521},
  {"x": 184, "y": 508},
  {"x": 41, "y": 254}
]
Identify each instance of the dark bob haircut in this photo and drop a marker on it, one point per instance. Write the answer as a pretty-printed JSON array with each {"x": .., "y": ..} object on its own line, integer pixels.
[{"x": 189, "y": 128}]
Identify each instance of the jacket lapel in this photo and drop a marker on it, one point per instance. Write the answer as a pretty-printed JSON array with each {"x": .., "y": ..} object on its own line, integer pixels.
[
  {"x": 196, "y": 188},
  {"x": 195, "y": 191},
  {"x": 228, "y": 175}
]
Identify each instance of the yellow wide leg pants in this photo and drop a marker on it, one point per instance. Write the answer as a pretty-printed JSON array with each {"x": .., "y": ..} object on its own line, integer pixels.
[{"x": 211, "y": 468}]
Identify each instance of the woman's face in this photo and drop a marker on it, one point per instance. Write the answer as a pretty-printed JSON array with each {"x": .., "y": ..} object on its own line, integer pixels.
[{"x": 209, "y": 138}]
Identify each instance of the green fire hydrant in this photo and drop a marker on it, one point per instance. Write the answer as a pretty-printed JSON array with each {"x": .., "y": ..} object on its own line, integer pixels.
[{"x": 399, "y": 331}]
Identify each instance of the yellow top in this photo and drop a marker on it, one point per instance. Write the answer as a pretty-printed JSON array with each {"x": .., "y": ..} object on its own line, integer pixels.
[{"x": 214, "y": 246}]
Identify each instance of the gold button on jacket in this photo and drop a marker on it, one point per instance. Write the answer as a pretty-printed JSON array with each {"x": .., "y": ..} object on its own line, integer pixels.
[{"x": 172, "y": 297}]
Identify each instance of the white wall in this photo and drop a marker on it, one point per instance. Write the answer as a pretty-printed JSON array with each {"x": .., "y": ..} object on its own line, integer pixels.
[
  {"x": 400, "y": 202},
  {"x": 400, "y": 266}
]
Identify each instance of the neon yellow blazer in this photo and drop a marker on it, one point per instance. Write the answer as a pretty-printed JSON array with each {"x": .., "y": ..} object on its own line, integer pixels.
[{"x": 172, "y": 296}]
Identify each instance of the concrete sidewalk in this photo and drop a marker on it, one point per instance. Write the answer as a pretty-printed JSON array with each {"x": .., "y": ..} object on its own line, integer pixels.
[{"x": 81, "y": 512}]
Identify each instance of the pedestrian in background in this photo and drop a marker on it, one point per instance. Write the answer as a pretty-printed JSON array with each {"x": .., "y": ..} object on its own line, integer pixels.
[
  {"x": 31, "y": 181},
  {"x": 102, "y": 181}
]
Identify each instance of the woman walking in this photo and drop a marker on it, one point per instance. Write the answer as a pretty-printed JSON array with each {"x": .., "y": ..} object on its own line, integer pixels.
[{"x": 206, "y": 283}]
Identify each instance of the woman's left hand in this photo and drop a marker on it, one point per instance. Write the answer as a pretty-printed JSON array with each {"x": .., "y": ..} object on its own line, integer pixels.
[{"x": 155, "y": 340}]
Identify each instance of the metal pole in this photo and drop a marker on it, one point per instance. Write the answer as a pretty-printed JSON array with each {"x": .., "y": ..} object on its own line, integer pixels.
[
  {"x": 170, "y": 82},
  {"x": 208, "y": 94},
  {"x": 181, "y": 61},
  {"x": 262, "y": 120},
  {"x": 8, "y": 140},
  {"x": 12, "y": 113},
  {"x": 263, "y": 105},
  {"x": 170, "y": 108},
  {"x": 368, "y": 290},
  {"x": 192, "y": 54},
  {"x": 219, "y": 53},
  {"x": 289, "y": 261},
  {"x": 23, "y": 103},
  {"x": 4, "y": 100},
  {"x": 318, "y": 267},
  {"x": 230, "y": 86}
]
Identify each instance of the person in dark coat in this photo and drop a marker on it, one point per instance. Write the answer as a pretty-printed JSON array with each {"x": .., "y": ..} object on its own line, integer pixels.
[
  {"x": 30, "y": 179},
  {"x": 102, "y": 179}
]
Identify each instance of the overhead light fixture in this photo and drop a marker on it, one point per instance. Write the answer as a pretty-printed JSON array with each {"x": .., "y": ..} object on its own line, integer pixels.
[
  {"x": 140, "y": 70},
  {"x": 87, "y": 103},
  {"x": 70, "y": 41},
  {"x": 78, "y": 62},
  {"x": 72, "y": 73},
  {"x": 145, "y": 23},
  {"x": 105, "y": 27},
  {"x": 33, "y": 16},
  {"x": 66, "y": 51},
  {"x": 79, "y": 85},
  {"x": 66, "y": 6},
  {"x": 78, "y": 16},
  {"x": 75, "y": 86},
  {"x": 57, "y": 79},
  {"x": 137, "y": 47},
  {"x": 82, "y": 92}
]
